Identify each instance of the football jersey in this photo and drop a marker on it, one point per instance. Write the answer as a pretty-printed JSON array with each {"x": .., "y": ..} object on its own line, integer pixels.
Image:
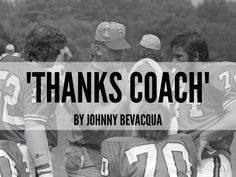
[
  {"x": 216, "y": 97},
  {"x": 174, "y": 156},
  {"x": 18, "y": 100},
  {"x": 11, "y": 160}
]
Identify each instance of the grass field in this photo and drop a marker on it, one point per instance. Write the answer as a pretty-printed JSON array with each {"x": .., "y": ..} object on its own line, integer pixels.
[{"x": 58, "y": 152}]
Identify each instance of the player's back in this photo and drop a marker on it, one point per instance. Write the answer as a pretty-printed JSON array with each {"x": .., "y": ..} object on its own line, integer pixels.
[
  {"x": 18, "y": 100},
  {"x": 138, "y": 157}
]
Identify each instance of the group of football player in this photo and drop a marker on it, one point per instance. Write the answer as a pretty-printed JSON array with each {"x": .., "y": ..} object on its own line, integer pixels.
[{"x": 197, "y": 136}]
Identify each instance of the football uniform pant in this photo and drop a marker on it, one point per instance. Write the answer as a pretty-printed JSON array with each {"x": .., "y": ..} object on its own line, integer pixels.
[{"x": 218, "y": 166}]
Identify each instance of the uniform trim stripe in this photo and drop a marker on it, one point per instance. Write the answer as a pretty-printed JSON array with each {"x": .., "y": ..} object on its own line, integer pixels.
[
  {"x": 45, "y": 172},
  {"x": 47, "y": 165},
  {"x": 227, "y": 103},
  {"x": 36, "y": 118},
  {"x": 217, "y": 165}
]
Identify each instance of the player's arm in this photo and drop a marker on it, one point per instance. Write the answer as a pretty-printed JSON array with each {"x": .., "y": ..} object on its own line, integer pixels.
[
  {"x": 224, "y": 127},
  {"x": 225, "y": 83},
  {"x": 226, "y": 123},
  {"x": 36, "y": 114},
  {"x": 37, "y": 143}
]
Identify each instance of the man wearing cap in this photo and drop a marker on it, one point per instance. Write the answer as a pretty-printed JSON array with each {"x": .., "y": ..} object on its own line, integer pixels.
[
  {"x": 10, "y": 49},
  {"x": 149, "y": 47},
  {"x": 10, "y": 55},
  {"x": 82, "y": 156}
]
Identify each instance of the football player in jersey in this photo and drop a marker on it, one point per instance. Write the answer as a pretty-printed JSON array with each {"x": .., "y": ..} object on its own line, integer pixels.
[
  {"x": 22, "y": 118},
  {"x": 211, "y": 122},
  {"x": 151, "y": 153},
  {"x": 12, "y": 163}
]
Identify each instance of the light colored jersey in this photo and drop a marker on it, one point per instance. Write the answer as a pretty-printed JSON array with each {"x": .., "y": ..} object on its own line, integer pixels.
[
  {"x": 193, "y": 118},
  {"x": 18, "y": 100}
]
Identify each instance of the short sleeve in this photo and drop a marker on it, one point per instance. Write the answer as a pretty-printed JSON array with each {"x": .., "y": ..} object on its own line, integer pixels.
[
  {"x": 224, "y": 81},
  {"x": 33, "y": 110}
]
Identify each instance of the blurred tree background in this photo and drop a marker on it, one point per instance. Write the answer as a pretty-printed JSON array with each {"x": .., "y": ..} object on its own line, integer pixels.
[{"x": 214, "y": 19}]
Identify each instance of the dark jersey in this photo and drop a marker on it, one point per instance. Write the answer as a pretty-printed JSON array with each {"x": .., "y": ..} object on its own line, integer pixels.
[
  {"x": 174, "y": 156},
  {"x": 12, "y": 163}
]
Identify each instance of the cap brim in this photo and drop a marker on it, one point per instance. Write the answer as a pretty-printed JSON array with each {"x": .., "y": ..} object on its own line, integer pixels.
[{"x": 117, "y": 45}]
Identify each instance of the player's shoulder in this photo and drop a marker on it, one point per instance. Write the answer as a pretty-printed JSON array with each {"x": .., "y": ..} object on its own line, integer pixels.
[
  {"x": 220, "y": 72},
  {"x": 121, "y": 139},
  {"x": 180, "y": 137},
  {"x": 219, "y": 67},
  {"x": 125, "y": 141}
]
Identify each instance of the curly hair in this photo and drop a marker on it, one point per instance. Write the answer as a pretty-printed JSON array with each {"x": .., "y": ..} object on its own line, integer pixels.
[
  {"x": 43, "y": 43},
  {"x": 193, "y": 43}
]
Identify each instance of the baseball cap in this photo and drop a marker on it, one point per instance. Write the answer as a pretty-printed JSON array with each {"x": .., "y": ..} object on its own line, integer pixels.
[
  {"x": 151, "y": 41},
  {"x": 10, "y": 47},
  {"x": 112, "y": 34}
]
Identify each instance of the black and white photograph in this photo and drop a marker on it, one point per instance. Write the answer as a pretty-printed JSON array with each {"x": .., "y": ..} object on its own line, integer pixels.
[{"x": 117, "y": 88}]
